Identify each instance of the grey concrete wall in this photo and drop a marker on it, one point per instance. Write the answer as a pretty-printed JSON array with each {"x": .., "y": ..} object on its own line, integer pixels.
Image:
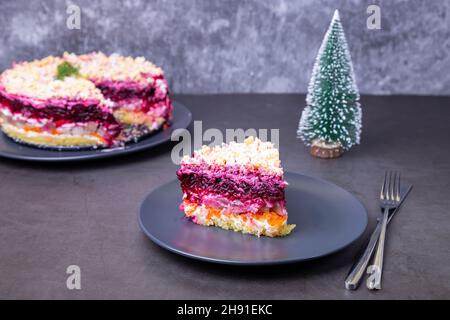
[{"x": 209, "y": 46}]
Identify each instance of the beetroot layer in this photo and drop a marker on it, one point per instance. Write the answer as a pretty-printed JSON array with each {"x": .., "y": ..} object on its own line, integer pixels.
[
  {"x": 120, "y": 90},
  {"x": 68, "y": 110},
  {"x": 231, "y": 181},
  {"x": 117, "y": 90},
  {"x": 147, "y": 96}
]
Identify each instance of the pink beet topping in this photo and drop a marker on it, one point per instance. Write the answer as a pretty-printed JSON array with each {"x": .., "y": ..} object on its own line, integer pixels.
[{"x": 250, "y": 187}]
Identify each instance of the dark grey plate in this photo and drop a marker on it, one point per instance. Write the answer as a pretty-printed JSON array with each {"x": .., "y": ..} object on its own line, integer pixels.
[
  {"x": 328, "y": 218},
  {"x": 182, "y": 117}
]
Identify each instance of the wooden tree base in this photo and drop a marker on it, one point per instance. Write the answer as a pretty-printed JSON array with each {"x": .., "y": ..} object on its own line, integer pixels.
[{"x": 323, "y": 150}]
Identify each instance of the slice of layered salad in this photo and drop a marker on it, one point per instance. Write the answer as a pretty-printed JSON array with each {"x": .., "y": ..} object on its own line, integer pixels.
[
  {"x": 236, "y": 186},
  {"x": 90, "y": 100}
]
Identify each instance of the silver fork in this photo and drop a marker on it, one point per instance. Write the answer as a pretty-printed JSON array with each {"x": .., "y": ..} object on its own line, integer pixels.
[{"x": 389, "y": 199}]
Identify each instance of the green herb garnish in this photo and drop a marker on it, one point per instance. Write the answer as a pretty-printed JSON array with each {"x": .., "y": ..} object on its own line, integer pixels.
[{"x": 66, "y": 69}]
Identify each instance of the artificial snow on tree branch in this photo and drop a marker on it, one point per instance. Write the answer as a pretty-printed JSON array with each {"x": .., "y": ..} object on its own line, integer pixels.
[{"x": 332, "y": 115}]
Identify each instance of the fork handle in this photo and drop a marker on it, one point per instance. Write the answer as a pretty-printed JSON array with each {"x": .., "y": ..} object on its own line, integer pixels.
[
  {"x": 357, "y": 272},
  {"x": 376, "y": 270}
]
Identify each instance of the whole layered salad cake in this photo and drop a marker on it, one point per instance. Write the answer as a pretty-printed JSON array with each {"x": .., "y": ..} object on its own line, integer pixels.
[
  {"x": 90, "y": 100},
  {"x": 236, "y": 186}
]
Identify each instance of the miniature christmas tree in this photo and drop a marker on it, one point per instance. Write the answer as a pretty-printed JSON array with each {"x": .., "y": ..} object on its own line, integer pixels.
[{"x": 331, "y": 120}]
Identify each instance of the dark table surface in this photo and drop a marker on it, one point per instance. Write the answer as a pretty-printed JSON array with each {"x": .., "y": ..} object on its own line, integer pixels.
[{"x": 56, "y": 215}]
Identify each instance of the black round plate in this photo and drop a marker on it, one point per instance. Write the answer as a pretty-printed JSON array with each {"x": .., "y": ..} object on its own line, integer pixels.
[
  {"x": 328, "y": 218},
  {"x": 182, "y": 117}
]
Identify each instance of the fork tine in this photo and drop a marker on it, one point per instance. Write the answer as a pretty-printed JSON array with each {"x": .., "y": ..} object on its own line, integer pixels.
[
  {"x": 383, "y": 187},
  {"x": 388, "y": 186},
  {"x": 393, "y": 179},
  {"x": 397, "y": 196}
]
